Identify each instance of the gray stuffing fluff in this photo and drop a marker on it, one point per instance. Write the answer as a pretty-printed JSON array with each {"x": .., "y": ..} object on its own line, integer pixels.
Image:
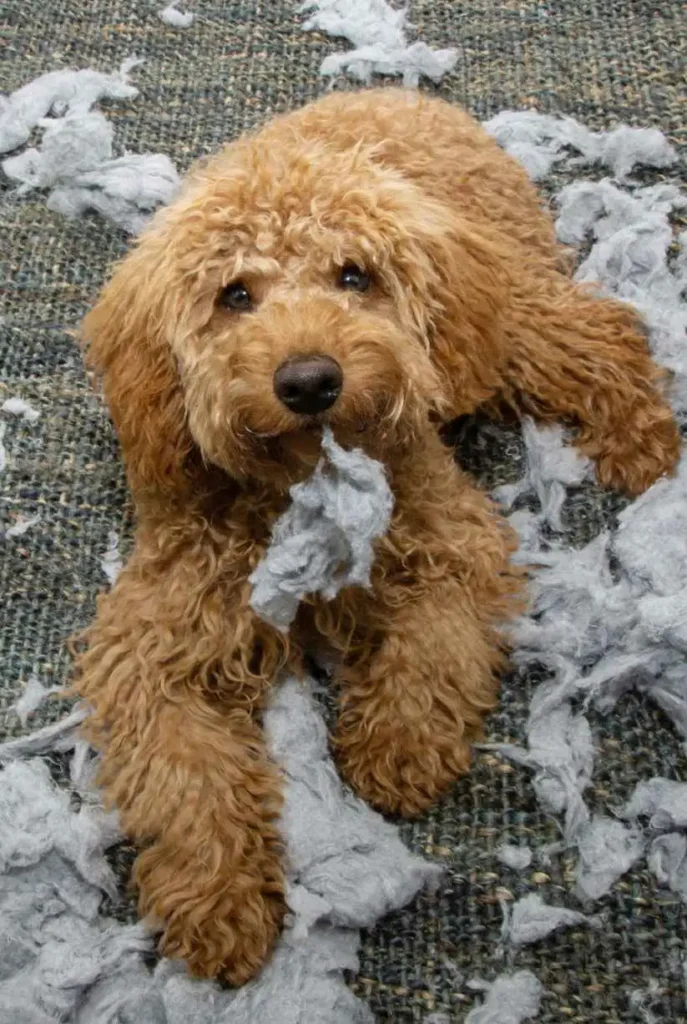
[
  {"x": 510, "y": 999},
  {"x": 324, "y": 540},
  {"x": 62, "y": 93},
  {"x": 662, "y": 801},
  {"x": 551, "y": 469},
  {"x": 603, "y": 631},
  {"x": 607, "y": 849},
  {"x": 60, "y": 958},
  {"x": 174, "y": 18},
  {"x": 75, "y": 159},
  {"x": 531, "y": 919},
  {"x": 517, "y": 857},
  {"x": 600, "y": 631},
  {"x": 539, "y": 141},
  {"x": 378, "y": 33},
  {"x": 668, "y": 860}
]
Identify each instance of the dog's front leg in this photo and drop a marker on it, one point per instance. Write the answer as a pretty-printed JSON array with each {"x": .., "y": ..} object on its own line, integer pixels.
[
  {"x": 174, "y": 671},
  {"x": 573, "y": 354},
  {"x": 423, "y": 666},
  {"x": 411, "y": 710}
]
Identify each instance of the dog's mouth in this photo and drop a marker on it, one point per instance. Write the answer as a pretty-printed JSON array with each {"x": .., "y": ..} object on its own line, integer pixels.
[
  {"x": 307, "y": 427},
  {"x": 297, "y": 450}
]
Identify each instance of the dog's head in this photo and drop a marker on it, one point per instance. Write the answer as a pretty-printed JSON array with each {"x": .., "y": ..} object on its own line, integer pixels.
[{"x": 288, "y": 287}]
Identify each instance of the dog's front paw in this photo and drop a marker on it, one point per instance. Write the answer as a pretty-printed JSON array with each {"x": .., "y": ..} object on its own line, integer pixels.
[
  {"x": 406, "y": 777},
  {"x": 632, "y": 459},
  {"x": 224, "y": 923}
]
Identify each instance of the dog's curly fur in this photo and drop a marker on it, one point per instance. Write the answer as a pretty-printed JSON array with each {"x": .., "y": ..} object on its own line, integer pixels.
[{"x": 471, "y": 304}]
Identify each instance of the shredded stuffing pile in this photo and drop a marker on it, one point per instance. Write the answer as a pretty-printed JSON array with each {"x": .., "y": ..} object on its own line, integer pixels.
[
  {"x": 75, "y": 159},
  {"x": 606, "y": 618},
  {"x": 378, "y": 34}
]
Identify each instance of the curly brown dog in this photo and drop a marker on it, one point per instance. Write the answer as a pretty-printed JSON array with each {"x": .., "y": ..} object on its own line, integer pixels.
[{"x": 377, "y": 263}]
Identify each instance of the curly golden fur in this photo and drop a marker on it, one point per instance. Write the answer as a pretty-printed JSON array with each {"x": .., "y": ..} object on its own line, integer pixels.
[{"x": 470, "y": 304}]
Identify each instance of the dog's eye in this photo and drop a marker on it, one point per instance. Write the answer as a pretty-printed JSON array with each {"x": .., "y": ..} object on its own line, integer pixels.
[
  {"x": 353, "y": 278},
  {"x": 236, "y": 296}
]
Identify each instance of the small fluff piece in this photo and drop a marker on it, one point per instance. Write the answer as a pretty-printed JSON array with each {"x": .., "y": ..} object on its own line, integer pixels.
[
  {"x": 607, "y": 850},
  {"x": 18, "y": 407},
  {"x": 539, "y": 141},
  {"x": 20, "y": 526},
  {"x": 176, "y": 19},
  {"x": 560, "y": 751},
  {"x": 324, "y": 541},
  {"x": 69, "y": 146},
  {"x": 552, "y": 466},
  {"x": 516, "y": 857},
  {"x": 31, "y": 699},
  {"x": 531, "y": 920},
  {"x": 378, "y": 34},
  {"x": 662, "y": 801},
  {"x": 58, "y": 736},
  {"x": 111, "y": 561},
  {"x": 510, "y": 999},
  {"x": 60, "y": 92},
  {"x": 125, "y": 191},
  {"x": 667, "y": 859}
]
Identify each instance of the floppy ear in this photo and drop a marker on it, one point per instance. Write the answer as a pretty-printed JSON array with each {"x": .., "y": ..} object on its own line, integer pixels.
[
  {"x": 458, "y": 278},
  {"x": 127, "y": 348}
]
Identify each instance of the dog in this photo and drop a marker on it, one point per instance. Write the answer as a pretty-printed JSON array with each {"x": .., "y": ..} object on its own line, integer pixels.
[{"x": 376, "y": 263}]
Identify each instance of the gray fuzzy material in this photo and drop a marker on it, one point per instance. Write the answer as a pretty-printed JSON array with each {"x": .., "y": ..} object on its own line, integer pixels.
[
  {"x": 607, "y": 850},
  {"x": 378, "y": 34},
  {"x": 540, "y": 141},
  {"x": 61, "y": 959},
  {"x": 561, "y": 753},
  {"x": 668, "y": 861},
  {"x": 662, "y": 801},
  {"x": 552, "y": 467},
  {"x": 633, "y": 237},
  {"x": 19, "y": 407},
  {"x": 610, "y": 616},
  {"x": 70, "y": 145},
  {"x": 531, "y": 920},
  {"x": 126, "y": 190},
  {"x": 605, "y": 618},
  {"x": 516, "y": 857},
  {"x": 510, "y": 999},
  {"x": 62, "y": 93},
  {"x": 325, "y": 539},
  {"x": 75, "y": 159},
  {"x": 174, "y": 18},
  {"x": 339, "y": 850}
]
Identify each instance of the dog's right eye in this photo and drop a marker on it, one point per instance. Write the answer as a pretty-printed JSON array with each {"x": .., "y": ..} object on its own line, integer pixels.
[{"x": 236, "y": 296}]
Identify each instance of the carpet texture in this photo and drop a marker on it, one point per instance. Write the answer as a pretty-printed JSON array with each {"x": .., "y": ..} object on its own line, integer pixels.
[{"x": 238, "y": 62}]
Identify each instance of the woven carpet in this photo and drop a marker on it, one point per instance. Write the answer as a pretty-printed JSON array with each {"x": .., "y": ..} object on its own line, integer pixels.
[{"x": 602, "y": 61}]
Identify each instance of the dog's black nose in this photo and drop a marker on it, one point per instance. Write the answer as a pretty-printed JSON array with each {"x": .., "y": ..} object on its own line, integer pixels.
[{"x": 308, "y": 384}]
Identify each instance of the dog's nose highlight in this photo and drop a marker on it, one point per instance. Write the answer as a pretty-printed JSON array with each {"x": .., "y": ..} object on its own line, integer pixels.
[{"x": 308, "y": 384}]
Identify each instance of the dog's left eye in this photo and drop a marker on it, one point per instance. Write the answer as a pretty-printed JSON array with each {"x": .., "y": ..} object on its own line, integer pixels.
[
  {"x": 236, "y": 296},
  {"x": 353, "y": 278}
]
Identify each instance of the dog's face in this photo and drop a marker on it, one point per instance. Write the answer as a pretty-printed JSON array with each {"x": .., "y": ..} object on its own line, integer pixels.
[{"x": 284, "y": 290}]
